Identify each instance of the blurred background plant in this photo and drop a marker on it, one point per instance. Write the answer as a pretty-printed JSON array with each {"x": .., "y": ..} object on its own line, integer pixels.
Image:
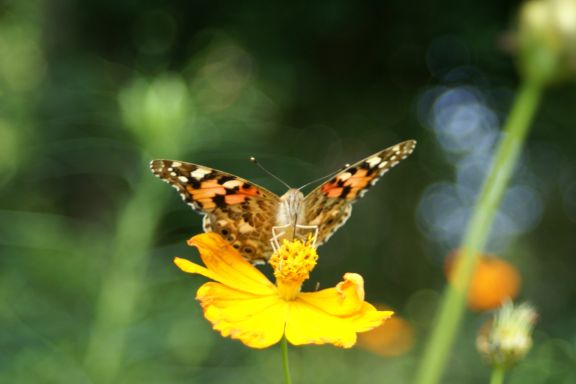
[
  {"x": 91, "y": 91},
  {"x": 504, "y": 340}
]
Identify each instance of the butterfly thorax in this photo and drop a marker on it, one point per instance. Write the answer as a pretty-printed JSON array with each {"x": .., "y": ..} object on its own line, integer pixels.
[
  {"x": 291, "y": 208},
  {"x": 290, "y": 215},
  {"x": 291, "y": 219}
]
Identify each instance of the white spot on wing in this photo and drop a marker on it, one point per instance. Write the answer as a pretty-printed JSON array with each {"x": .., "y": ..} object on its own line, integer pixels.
[
  {"x": 176, "y": 164},
  {"x": 232, "y": 183},
  {"x": 382, "y": 164},
  {"x": 345, "y": 176},
  {"x": 245, "y": 228},
  {"x": 183, "y": 179},
  {"x": 199, "y": 173},
  {"x": 373, "y": 161}
]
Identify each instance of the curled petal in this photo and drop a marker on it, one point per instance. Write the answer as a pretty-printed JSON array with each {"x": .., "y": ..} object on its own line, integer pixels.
[
  {"x": 225, "y": 265},
  {"x": 345, "y": 299},
  {"x": 311, "y": 325},
  {"x": 333, "y": 315},
  {"x": 255, "y": 320}
]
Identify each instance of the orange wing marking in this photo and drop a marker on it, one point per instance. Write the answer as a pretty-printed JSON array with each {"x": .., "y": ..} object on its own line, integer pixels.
[
  {"x": 211, "y": 193},
  {"x": 346, "y": 185}
]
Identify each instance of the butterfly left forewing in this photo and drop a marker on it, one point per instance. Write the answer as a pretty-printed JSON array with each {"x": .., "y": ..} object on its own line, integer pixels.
[
  {"x": 241, "y": 212},
  {"x": 329, "y": 205}
]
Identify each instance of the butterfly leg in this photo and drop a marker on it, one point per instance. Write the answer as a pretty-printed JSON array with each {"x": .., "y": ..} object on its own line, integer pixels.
[
  {"x": 277, "y": 233},
  {"x": 311, "y": 228}
]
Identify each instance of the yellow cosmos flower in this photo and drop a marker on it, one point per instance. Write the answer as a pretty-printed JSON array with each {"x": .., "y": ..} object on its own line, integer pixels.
[{"x": 243, "y": 304}]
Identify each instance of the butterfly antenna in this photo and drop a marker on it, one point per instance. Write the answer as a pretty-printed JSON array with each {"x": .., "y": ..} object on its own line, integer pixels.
[
  {"x": 324, "y": 177},
  {"x": 253, "y": 159}
]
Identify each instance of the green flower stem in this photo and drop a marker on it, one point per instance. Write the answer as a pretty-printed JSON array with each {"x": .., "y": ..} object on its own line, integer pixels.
[
  {"x": 452, "y": 308},
  {"x": 285, "y": 362},
  {"x": 498, "y": 373}
]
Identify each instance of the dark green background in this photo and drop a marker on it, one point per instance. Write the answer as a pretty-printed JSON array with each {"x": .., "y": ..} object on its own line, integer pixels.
[{"x": 305, "y": 87}]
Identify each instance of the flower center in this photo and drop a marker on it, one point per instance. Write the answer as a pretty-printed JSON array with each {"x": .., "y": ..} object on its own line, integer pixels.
[{"x": 292, "y": 264}]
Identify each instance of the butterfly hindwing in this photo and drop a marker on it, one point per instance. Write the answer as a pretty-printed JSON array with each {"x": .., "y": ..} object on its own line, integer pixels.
[
  {"x": 329, "y": 205},
  {"x": 243, "y": 213}
]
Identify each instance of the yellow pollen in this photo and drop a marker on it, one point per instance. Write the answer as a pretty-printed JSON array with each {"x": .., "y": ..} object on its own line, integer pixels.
[{"x": 292, "y": 264}]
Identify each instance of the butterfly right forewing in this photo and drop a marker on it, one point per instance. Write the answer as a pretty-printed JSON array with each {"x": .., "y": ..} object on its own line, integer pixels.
[
  {"x": 242, "y": 212},
  {"x": 330, "y": 205}
]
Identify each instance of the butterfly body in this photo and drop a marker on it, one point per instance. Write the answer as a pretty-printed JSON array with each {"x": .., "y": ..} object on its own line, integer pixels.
[
  {"x": 252, "y": 219},
  {"x": 291, "y": 208}
]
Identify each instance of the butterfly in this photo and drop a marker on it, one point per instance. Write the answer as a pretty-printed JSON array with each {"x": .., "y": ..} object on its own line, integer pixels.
[{"x": 253, "y": 219}]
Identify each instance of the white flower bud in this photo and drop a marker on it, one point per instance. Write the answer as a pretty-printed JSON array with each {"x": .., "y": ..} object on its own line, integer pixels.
[{"x": 507, "y": 338}]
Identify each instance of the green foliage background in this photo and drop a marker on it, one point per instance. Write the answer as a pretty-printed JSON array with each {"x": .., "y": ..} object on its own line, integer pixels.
[{"x": 90, "y": 91}]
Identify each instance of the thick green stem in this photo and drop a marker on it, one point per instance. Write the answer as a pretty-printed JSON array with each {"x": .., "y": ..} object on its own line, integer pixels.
[
  {"x": 285, "y": 362},
  {"x": 497, "y": 375},
  {"x": 452, "y": 308}
]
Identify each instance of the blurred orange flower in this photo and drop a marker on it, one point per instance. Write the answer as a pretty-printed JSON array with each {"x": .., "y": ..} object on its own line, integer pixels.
[
  {"x": 494, "y": 280},
  {"x": 243, "y": 304},
  {"x": 394, "y": 339}
]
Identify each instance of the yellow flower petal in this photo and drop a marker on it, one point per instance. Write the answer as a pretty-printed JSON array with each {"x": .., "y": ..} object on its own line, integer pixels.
[
  {"x": 344, "y": 299},
  {"x": 255, "y": 320},
  {"x": 310, "y": 325},
  {"x": 333, "y": 315},
  {"x": 225, "y": 265},
  {"x": 190, "y": 267}
]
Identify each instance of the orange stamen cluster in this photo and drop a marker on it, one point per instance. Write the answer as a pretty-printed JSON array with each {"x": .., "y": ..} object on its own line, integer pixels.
[{"x": 292, "y": 264}]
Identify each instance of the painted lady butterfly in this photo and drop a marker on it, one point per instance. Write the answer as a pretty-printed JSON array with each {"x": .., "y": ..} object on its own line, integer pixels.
[{"x": 253, "y": 219}]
